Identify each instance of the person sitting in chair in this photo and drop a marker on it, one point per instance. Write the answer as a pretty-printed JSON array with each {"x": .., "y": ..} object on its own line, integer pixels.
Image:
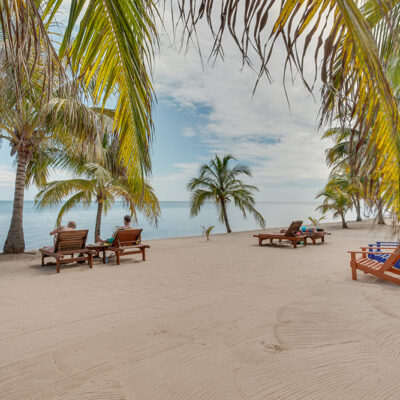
[
  {"x": 127, "y": 225},
  {"x": 71, "y": 226}
]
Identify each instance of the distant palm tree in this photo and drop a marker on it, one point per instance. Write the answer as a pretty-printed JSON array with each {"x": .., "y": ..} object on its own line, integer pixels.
[
  {"x": 335, "y": 200},
  {"x": 218, "y": 182},
  {"x": 348, "y": 156},
  {"x": 103, "y": 184}
]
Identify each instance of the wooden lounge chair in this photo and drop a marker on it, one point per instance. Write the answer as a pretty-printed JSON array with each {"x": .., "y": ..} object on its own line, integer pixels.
[
  {"x": 69, "y": 243},
  {"x": 127, "y": 242},
  {"x": 290, "y": 234},
  {"x": 381, "y": 270}
]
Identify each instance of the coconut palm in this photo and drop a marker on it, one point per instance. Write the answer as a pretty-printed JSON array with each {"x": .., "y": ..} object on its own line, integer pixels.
[
  {"x": 347, "y": 157},
  {"x": 103, "y": 184},
  {"x": 335, "y": 200},
  {"x": 218, "y": 182},
  {"x": 351, "y": 54},
  {"x": 33, "y": 124}
]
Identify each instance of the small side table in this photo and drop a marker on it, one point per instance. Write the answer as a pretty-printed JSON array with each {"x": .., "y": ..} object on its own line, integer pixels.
[{"x": 98, "y": 247}]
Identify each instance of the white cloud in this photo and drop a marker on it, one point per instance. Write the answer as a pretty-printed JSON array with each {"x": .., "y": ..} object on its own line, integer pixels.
[
  {"x": 188, "y": 132},
  {"x": 282, "y": 144},
  {"x": 172, "y": 186}
]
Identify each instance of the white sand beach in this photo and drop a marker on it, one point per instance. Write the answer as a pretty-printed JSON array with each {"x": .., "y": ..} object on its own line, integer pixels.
[{"x": 224, "y": 319}]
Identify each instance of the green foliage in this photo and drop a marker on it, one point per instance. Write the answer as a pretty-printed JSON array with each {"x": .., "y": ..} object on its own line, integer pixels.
[
  {"x": 101, "y": 183},
  {"x": 207, "y": 231},
  {"x": 219, "y": 182},
  {"x": 335, "y": 200},
  {"x": 316, "y": 221}
]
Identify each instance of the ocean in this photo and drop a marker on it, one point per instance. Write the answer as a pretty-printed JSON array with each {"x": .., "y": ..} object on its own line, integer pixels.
[{"x": 175, "y": 220}]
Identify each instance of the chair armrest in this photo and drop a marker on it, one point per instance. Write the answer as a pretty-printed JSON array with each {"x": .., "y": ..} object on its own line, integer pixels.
[
  {"x": 368, "y": 252},
  {"x": 379, "y": 248},
  {"x": 51, "y": 253}
]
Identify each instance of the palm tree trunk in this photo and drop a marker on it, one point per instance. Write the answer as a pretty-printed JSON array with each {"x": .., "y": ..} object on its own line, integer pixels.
[
  {"x": 358, "y": 208},
  {"x": 15, "y": 242},
  {"x": 224, "y": 213},
  {"x": 344, "y": 223},
  {"x": 381, "y": 220},
  {"x": 98, "y": 220}
]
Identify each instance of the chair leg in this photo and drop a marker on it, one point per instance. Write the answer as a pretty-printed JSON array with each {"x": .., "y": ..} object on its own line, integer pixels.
[
  {"x": 42, "y": 260},
  {"x": 144, "y": 254},
  {"x": 353, "y": 273},
  {"x": 294, "y": 243},
  {"x": 259, "y": 241},
  {"x": 58, "y": 265},
  {"x": 117, "y": 254},
  {"x": 90, "y": 260}
]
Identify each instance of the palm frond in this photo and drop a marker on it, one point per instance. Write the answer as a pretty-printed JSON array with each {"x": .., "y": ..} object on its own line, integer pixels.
[
  {"x": 53, "y": 193},
  {"x": 83, "y": 197},
  {"x": 112, "y": 53}
]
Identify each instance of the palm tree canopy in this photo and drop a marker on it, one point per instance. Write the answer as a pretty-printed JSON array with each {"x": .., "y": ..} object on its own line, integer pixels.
[
  {"x": 220, "y": 183},
  {"x": 335, "y": 199},
  {"x": 102, "y": 183}
]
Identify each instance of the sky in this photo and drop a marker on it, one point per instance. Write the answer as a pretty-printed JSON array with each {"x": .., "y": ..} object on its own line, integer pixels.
[{"x": 209, "y": 108}]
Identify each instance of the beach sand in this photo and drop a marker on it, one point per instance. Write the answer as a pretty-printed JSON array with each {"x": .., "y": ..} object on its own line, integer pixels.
[{"x": 224, "y": 319}]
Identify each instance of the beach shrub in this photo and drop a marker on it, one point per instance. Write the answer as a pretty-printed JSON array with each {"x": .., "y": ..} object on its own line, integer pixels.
[
  {"x": 316, "y": 221},
  {"x": 207, "y": 231}
]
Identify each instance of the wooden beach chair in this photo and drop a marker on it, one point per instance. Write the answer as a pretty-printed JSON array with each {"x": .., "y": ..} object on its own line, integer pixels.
[
  {"x": 290, "y": 234},
  {"x": 69, "y": 243},
  {"x": 127, "y": 242},
  {"x": 385, "y": 270}
]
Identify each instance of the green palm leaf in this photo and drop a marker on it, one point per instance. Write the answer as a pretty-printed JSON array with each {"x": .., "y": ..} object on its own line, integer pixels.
[{"x": 112, "y": 53}]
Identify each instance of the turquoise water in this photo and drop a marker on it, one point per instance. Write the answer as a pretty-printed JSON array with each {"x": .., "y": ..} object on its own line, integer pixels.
[{"x": 175, "y": 220}]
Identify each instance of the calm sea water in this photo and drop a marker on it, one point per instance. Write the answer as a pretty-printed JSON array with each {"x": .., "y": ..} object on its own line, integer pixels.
[{"x": 175, "y": 220}]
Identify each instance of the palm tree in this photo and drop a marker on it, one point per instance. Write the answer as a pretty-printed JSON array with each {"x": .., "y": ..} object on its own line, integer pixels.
[
  {"x": 218, "y": 182},
  {"x": 346, "y": 157},
  {"x": 102, "y": 184},
  {"x": 335, "y": 200},
  {"x": 351, "y": 54},
  {"x": 33, "y": 124}
]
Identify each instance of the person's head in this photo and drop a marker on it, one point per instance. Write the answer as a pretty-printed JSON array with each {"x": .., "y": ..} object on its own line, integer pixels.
[
  {"x": 71, "y": 225},
  {"x": 127, "y": 219}
]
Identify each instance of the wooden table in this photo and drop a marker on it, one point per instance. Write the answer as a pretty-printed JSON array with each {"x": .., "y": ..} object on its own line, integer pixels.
[{"x": 99, "y": 247}]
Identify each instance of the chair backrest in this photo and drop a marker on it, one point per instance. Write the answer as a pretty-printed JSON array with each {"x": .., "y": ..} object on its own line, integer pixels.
[
  {"x": 71, "y": 240},
  {"x": 293, "y": 228},
  {"x": 127, "y": 237},
  {"x": 391, "y": 261}
]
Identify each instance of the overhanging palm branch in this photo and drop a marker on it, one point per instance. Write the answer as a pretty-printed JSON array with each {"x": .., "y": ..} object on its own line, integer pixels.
[
  {"x": 112, "y": 54},
  {"x": 347, "y": 39}
]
